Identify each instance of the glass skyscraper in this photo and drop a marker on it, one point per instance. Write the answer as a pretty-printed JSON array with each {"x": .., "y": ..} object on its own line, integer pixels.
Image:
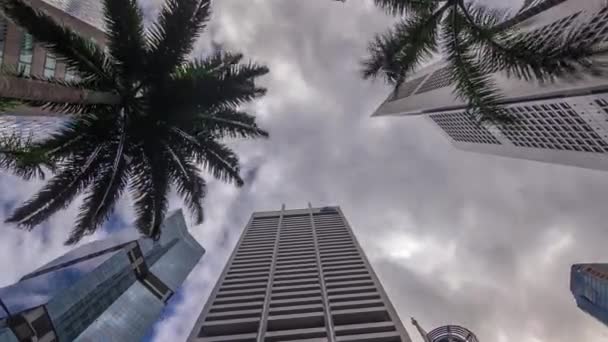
[
  {"x": 108, "y": 290},
  {"x": 589, "y": 285}
]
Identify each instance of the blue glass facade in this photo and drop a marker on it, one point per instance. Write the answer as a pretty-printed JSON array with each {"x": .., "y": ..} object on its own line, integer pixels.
[
  {"x": 105, "y": 290},
  {"x": 589, "y": 285}
]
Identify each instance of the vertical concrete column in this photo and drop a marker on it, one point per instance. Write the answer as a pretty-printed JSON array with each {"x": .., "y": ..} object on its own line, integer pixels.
[
  {"x": 329, "y": 324},
  {"x": 38, "y": 59},
  {"x": 266, "y": 307},
  {"x": 12, "y": 45}
]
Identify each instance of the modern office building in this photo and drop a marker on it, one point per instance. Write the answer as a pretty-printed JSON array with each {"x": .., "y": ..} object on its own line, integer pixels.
[
  {"x": 18, "y": 50},
  {"x": 446, "y": 333},
  {"x": 589, "y": 286},
  {"x": 565, "y": 122},
  {"x": 108, "y": 290},
  {"x": 298, "y": 275}
]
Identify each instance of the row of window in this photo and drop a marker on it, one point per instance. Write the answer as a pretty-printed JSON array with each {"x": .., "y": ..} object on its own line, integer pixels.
[
  {"x": 553, "y": 126},
  {"x": 462, "y": 128},
  {"x": 26, "y": 55}
]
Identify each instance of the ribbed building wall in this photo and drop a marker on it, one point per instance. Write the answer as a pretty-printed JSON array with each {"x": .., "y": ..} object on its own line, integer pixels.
[{"x": 298, "y": 275}]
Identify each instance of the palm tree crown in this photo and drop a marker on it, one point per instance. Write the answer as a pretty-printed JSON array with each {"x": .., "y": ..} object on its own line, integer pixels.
[
  {"x": 163, "y": 116},
  {"x": 476, "y": 44}
]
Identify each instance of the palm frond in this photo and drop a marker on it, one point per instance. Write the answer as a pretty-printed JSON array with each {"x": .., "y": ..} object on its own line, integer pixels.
[
  {"x": 111, "y": 179},
  {"x": 8, "y": 104},
  {"x": 406, "y": 7},
  {"x": 149, "y": 187},
  {"x": 126, "y": 37},
  {"x": 19, "y": 156},
  {"x": 472, "y": 84},
  {"x": 190, "y": 186},
  {"x": 172, "y": 37},
  {"x": 217, "y": 159},
  {"x": 527, "y": 57},
  {"x": 230, "y": 123},
  {"x": 225, "y": 83},
  {"x": 399, "y": 51},
  {"x": 77, "y": 52},
  {"x": 72, "y": 178}
]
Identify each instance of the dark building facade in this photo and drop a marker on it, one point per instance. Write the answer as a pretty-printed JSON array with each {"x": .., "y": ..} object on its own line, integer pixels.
[
  {"x": 107, "y": 290},
  {"x": 589, "y": 286},
  {"x": 298, "y": 275},
  {"x": 19, "y": 51}
]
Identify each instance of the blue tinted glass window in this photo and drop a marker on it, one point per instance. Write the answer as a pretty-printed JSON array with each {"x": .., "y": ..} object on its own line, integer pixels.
[
  {"x": 82, "y": 251},
  {"x": 38, "y": 290}
]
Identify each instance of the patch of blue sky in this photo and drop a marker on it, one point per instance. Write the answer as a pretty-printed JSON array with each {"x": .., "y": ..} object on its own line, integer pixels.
[{"x": 168, "y": 312}]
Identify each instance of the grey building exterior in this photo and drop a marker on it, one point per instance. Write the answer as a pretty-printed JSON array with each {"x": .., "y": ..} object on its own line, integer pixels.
[
  {"x": 565, "y": 122},
  {"x": 108, "y": 290},
  {"x": 589, "y": 286},
  {"x": 298, "y": 275}
]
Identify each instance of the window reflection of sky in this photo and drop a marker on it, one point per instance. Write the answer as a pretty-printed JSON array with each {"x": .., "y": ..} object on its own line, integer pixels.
[
  {"x": 86, "y": 249},
  {"x": 38, "y": 290}
]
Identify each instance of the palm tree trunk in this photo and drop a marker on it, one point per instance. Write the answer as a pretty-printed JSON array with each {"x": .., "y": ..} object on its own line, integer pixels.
[{"x": 34, "y": 90}]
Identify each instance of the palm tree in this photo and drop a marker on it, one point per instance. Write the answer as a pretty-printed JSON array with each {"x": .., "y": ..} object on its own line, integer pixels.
[
  {"x": 156, "y": 118},
  {"x": 477, "y": 43}
]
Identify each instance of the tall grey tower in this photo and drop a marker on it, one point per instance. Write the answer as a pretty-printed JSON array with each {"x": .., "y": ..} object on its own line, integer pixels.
[
  {"x": 565, "y": 122},
  {"x": 298, "y": 275}
]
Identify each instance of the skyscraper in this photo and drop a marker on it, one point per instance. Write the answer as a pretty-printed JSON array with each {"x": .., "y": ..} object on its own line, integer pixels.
[
  {"x": 563, "y": 122},
  {"x": 20, "y": 51},
  {"x": 589, "y": 285},
  {"x": 106, "y": 290},
  {"x": 298, "y": 275}
]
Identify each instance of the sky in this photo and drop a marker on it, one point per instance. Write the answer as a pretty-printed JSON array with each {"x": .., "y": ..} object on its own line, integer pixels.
[{"x": 455, "y": 237}]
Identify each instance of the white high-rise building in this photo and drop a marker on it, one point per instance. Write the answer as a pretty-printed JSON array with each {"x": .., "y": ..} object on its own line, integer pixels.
[
  {"x": 565, "y": 122},
  {"x": 298, "y": 275}
]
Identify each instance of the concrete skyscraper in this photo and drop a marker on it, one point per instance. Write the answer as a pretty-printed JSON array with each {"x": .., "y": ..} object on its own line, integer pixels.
[
  {"x": 589, "y": 286},
  {"x": 298, "y": 275},
  {"x": 108, "y": 290},
  {"x": 565, "y": 122}
]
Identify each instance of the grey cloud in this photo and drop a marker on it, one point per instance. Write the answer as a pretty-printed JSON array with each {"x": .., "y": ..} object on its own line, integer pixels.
[
  {"x": 510, "y": 228},
  {"x": 455, "y": 237}
]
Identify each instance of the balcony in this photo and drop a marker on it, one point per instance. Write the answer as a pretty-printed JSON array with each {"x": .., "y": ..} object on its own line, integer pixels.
[
  {"x": 230, "y": 327},
  {"x": 296, "y": 309},
  {"x": 296, "y": 321},
  {"x": 358, "y": 316},
  {"x": 295, "y": 334},
  {"x": 237, "y": 314},
  {"x": 390, "y": 336},
  {"x": 238, "y": 306},
  {"x": 366, "y": 328},
  {"x": 251, "y": 337}
]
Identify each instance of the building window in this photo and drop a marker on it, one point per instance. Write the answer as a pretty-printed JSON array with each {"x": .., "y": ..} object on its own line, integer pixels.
[
  {"x": 462, "y": 128},
  {"x": 3, "y": 27},
  {"x": 70, "y": 75},
  {"x": 26, "y": 54},
  {"x": 556, "y": 131},
  {"x": 50, "y": 63}
]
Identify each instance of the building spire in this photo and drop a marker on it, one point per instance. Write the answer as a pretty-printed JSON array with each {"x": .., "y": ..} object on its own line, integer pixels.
[{"x": 423, "y": 333}]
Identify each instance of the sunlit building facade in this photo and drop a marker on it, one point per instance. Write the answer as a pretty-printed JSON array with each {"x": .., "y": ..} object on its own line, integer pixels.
[
  {"x": 107, "y": 290},
  {"x": 589, "y": 286},
  {"x": 565, "y": 122}
]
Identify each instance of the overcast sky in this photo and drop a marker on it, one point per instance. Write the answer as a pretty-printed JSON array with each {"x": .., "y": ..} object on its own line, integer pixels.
[{"x": 455, "y": 237}]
